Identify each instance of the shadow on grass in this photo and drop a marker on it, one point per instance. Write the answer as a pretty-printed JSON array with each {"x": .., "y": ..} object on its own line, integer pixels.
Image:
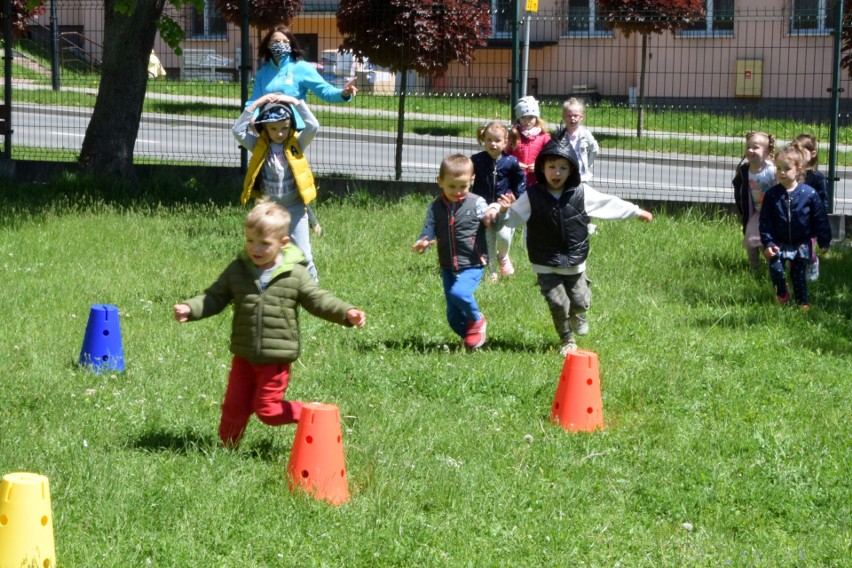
[
  {"x": 452, "y": 344},
  {"x": 183, "y": 443},
  {"x": 433, "y": 130},
  {"x": 191, "y": 441}
]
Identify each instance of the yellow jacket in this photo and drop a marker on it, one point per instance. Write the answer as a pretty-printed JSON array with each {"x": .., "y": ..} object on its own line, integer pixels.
[{"x": 295, "y": 158}]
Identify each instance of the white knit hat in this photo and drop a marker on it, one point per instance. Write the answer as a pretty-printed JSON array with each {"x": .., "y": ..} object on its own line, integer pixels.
[{"x": 527, "y": 106}]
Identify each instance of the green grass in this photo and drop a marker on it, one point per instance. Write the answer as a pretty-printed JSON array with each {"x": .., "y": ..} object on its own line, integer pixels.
[{"x": 722, "y": 410}]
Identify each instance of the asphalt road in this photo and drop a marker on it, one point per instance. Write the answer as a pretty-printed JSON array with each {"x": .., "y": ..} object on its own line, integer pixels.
[{"x": 370, "y": 155}]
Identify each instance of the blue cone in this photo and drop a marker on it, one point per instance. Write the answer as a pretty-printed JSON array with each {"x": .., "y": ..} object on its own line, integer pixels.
[{"x": 102, "y": 350}]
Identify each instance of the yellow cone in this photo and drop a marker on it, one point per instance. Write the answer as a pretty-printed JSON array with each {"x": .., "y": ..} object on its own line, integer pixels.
[{"x": 26, "y": 522}]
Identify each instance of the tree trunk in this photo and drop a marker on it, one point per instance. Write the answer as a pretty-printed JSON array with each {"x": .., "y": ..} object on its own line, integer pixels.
[
  {"x": 640, "y": 124},
  {"x": 400, "y": 123},
  {"x": 112, "y": 130}
]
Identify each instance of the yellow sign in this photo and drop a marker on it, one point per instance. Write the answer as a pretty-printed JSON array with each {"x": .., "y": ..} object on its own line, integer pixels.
[{"x": 532, "y": 5}]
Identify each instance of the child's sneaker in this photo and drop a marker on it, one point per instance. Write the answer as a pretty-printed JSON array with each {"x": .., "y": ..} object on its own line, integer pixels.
[
  {"x": 579, "y": 324},
  {"x": 494, "y": 277},
  {"x": 812, "y": 271},
  {"x": 506, "y": 268},
  {"x": 568, "y": 345},
  {"x": 783, "y": 299},
  {"x": 475, "y": 336}
]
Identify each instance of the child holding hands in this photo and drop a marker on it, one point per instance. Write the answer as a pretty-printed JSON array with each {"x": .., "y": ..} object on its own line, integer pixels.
[
  {"x": 497, "y": 173},
  {"x": 267, "y": 284},
  {"x": 792, "y": 215},
  {"x": 755, "y": 175},
  {"x": 454, "y": 221},
  {"x": 557, "y": 212}
]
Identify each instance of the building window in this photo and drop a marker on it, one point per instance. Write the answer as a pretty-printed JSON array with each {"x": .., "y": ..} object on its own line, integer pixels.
[
  {"x": 208, "y": 24},
  {"x": 501, "y": 18},
  {"x": 583, "y": 20},
  {"x": 718, "y": 21},
  {"x": 813, "y": 17}
]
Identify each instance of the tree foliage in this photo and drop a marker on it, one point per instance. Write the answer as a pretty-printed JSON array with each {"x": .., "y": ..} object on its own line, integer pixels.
[
  {"x": 22, "y": 10},
  {"x": 649, "y": 16},
  {"x": 262, "y": 13},
  {"x": 420, "y": 35}
]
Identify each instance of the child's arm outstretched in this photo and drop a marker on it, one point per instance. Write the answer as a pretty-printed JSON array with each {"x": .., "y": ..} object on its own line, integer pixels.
[
  {"x": 605, "y": 206},
  {"x": 427, "y": 236}
]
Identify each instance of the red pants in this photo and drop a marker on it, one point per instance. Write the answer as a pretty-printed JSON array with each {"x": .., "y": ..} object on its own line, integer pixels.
[{"x": 255, "y": 389}]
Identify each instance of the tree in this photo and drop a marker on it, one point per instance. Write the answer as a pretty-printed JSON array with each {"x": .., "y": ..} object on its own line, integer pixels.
[
  {"x": 262, "y": 13},
  {"x": 846, "y": 37},
  {"x": 22, "y": 10},
  {"x": 424, "y": 36},
  {"x": 647, "y": 17},
  {"x": 130, "y": 27}
]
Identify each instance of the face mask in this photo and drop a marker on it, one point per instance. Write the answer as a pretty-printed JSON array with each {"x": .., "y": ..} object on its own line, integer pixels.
[{"x": 280, "y": 50}]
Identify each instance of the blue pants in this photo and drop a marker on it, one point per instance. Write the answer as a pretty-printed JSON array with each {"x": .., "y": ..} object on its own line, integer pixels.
[
  {"x": 458, "y": 291},
  {"x": 798, "y": 268},
  {"x": 300, "y": 231}
]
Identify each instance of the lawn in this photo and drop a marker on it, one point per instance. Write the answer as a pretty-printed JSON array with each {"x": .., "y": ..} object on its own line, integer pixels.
[{"x": 726, "y": 437}]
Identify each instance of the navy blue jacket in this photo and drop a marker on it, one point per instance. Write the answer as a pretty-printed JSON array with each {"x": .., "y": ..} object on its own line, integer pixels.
[
  {"x": 791, "y": 219},
  {"x": 497, "y": 177}
]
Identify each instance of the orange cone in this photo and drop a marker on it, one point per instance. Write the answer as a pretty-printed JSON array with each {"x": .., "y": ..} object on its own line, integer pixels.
[
  {"x": 577, "y": 406},
  {"x": 316, "y": 460}
]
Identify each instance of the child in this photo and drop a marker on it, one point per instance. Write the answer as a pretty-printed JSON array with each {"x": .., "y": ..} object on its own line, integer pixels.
[
  {"x": 753, "y": 179},
  {"x": 278, "y": 167},
  {"x": 454, "y": 220},
  {"x": 267, "y": 283},
  {"x": 557, "y": 210},
  {"x": 496, "y": 174},
  {"x": 528, "y": 136},
  {"x": 792, "y": 214},
  {"x": 577, "y": 137},
  {"x": 807, "y": 144}
]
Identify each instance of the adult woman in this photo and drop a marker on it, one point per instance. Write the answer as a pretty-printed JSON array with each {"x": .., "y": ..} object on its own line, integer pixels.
[{"x": 285, "y": 72}]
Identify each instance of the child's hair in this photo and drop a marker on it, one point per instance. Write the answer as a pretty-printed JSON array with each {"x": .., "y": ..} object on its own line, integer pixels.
[
  {"x": 793, "y": 154},
  {"x": 808, "y": 142},
  {"x": 770, "y": 143},
  {"x": 515, "y": 131},
  {"x": 574, "y": 101},
  {"x": 456, "y": 164},
  {"x": 493, "y": 126},
  {"x": 269, "y": 217}
]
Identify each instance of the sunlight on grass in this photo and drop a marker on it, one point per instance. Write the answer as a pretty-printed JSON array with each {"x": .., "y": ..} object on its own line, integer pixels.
[{"x": 727, "y": 430}]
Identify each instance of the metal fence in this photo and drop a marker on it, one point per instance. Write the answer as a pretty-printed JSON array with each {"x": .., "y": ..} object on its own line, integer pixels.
[{"x": 739, "y": 69}]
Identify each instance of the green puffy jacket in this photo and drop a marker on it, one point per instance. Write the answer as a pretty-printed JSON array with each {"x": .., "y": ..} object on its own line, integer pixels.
[{"x": 265, "y": 328}]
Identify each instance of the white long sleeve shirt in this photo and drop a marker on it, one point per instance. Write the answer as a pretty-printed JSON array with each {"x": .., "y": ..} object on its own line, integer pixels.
[{"x": 598, "y": 205}]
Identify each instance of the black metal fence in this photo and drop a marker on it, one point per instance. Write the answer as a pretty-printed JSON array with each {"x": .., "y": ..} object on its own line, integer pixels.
[{"x": 753, "y": 65}]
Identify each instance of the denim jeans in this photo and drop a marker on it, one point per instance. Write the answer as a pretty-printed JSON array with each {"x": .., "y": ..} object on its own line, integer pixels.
[
  {"x": 458, "y": 291},
  {"x": 300, "y": 229}
]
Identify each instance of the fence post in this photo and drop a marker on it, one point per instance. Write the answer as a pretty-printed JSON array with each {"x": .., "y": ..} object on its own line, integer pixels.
[
  {"x": 245, "y": 67},
  {"x": 835, "y": 91},
  {"x": 6, "y": 122}
]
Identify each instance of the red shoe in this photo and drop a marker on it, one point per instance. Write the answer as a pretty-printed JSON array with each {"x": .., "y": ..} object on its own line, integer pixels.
[
  {"x": 783, "y": 299},
  {"x": 475, "y": 336},
  {"x": 506, "y": 268}
]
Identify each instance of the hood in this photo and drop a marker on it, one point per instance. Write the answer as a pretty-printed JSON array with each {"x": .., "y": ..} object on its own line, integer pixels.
[{"x": 553, "y": 148}]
